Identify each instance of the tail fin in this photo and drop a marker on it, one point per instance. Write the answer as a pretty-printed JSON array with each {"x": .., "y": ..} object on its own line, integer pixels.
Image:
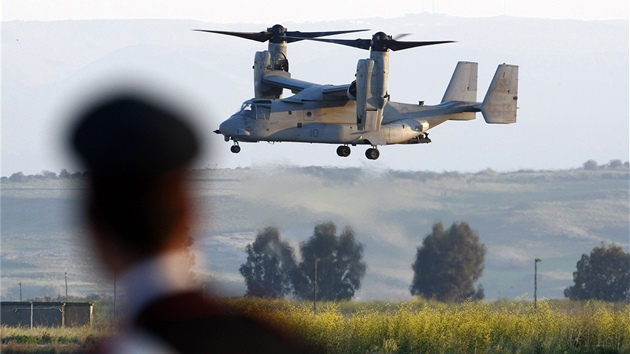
[
  {"x": 499, "y": 105},
  {"x": 463, "y": 85}
]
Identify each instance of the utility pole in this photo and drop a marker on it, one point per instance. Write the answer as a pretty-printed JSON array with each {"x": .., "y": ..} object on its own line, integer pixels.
[
  {"x": 536, "y": 281},
  {"x": 20, "y": 291},
  {"x": 315, "y": 288},
  {"x": 66, "y": 276}
]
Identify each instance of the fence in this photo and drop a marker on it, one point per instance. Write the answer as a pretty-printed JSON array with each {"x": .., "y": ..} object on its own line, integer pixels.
[{"x": 46, "y": 314}]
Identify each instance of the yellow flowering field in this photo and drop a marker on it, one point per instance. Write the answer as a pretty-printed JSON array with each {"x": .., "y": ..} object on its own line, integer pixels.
[
  {"x": 556, "y": 326},
  {"x": 471, "y": 327}
]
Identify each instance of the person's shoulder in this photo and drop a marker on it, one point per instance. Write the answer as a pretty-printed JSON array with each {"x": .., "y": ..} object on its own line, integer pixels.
[{"x": 193, "y": 324}]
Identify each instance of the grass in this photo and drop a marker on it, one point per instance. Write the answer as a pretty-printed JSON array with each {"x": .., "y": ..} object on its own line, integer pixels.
[
  {"x": 39, "y": 340},
  {"x": 417, "y": 326}
]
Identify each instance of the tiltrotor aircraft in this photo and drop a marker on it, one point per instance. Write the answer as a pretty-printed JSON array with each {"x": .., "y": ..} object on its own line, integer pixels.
[{"x": 359, "y": 113}]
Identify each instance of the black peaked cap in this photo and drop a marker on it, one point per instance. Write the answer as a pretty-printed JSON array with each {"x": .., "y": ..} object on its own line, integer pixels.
[{"x": 129, "y": 135}]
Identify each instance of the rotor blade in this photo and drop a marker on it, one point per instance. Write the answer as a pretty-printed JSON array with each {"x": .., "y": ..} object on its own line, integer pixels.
[
  {"x": 254, "y": 36},
  {"x": 321, "y": 34},
  {"x": 291, "y": 36},
  {"x": 294, "y": 36},
  {"x": 357, "y": 43},
  {"x": 401, "y": 35},
  {"x": 396, "y": 45}
]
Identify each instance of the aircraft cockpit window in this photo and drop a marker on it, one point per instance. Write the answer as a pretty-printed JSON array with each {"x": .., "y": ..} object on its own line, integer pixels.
[{"x": 247, "y": 110}]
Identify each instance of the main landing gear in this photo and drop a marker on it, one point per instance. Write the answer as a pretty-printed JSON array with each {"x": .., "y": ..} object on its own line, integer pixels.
[
  {"x": 235, "y": 148},
  {"x": 371, "y": 153},
  {"x": 343, "y": 151}
]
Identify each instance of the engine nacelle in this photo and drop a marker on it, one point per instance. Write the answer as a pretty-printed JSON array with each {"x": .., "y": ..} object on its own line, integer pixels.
[
  {"x": 365, "y": 111},
  {"x": 262, "y": 66},
  {"x": 364, "y": 85},
  {"x": 369, "y": 95}
]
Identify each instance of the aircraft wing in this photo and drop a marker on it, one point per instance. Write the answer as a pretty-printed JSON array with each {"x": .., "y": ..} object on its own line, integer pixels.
[
  {"x": 286, "y": 82},
  {"x": 296, "y": 86},
  {"x": 318, "y": 93},
  {"x": 336, "y": 90}
]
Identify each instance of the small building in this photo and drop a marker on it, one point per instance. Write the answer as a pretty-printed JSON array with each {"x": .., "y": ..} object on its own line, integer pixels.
[{"x": 45, "y": 314}]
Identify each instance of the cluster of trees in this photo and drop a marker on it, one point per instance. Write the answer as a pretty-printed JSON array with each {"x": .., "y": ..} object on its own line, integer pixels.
[
  {"x": 602, "y": 275},
  {"x": 612, "y": 165},
  {"x": 331, "y": 268},
  {"x": 21, "y": 177},
  {"x": 447, "y": 265}
]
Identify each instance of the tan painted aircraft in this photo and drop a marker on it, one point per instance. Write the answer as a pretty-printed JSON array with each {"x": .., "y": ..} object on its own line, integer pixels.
[{"x": 359, "y": 113}]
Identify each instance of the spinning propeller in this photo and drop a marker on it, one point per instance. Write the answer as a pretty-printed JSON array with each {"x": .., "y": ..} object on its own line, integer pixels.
[
  {"x": 279, "y": 34},
  {"x": 380, "y": 42}
]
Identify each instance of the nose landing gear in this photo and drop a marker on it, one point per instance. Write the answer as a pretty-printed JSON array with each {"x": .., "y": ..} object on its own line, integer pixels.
[{"x": 235, "y": 148}]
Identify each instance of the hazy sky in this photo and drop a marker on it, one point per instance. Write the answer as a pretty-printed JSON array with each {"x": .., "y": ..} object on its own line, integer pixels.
[
  {"x": 47, "y": 72},
  {"x": 248, "y": 11}
]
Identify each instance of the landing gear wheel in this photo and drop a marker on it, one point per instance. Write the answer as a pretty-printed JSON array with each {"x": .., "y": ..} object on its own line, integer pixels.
[
  {"x": 235, "y": 149},
  {"x": 372, "y": 153},
  {"x": 343, "y": 151}
]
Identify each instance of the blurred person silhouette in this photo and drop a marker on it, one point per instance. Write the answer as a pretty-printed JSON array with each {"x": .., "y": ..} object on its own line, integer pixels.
[{"x": 138, "y": 154}]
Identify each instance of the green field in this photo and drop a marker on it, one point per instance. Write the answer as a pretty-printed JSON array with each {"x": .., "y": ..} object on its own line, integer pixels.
[
  {"x": 552, "y": 215},
  {"x": 403, "y": 327}
]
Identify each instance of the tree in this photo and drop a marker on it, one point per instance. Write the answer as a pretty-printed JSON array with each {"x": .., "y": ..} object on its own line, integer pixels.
[
  {"x": 48, "y": 175},
  {"x": 18, "y": 177},
  {"x": 339, "y": 263},
  {"x": 269, "y": 266},
  {"x": 590, "y": 165},
  {"x": 604, "y": 275},
  {"x": 64, "y": 174},
  {"x": 448, "y": 264},
  {"x": 615, "y": 164}
]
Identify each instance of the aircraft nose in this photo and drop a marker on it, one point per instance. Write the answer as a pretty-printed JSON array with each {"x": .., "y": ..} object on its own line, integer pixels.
[
  {"x": 234, "y": 126},
  {"x": 230, "y": 125}
]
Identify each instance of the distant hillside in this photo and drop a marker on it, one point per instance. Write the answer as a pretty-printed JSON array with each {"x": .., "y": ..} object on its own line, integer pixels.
[{"x": 553, "y": 215}]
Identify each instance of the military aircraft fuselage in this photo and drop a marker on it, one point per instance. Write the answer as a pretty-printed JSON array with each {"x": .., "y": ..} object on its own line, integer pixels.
[{"x": 333, "y": 122}]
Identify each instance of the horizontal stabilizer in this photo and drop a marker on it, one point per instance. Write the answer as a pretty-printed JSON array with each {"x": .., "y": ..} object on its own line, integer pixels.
[{"x": 499, "y": 105}]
